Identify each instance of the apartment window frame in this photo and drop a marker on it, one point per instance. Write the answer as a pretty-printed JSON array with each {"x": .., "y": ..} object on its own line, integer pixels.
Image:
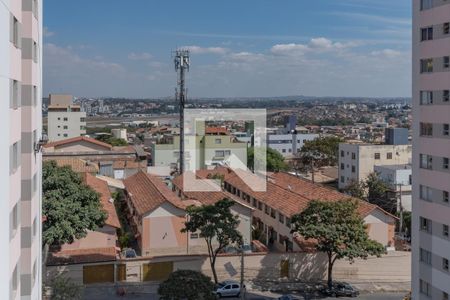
[
  {"x": 35, "y": 51},
  {"x": 445, "y": 196},
  {"x": 425, "y": 256},
  {"x": 426, "y": 65},
  {"x": 446, "y": 28},
  {"x": 426, "y": 97},
  {"x": 377, "y": 156},
  {"x": 445, "y": 95},
  {"x": 445, "y": 264},
  {"x": 426, "y": 34},
  {"x": 446, "y": 129},
  {"x": 353, "y": 169},
  {"x": 15, "y": 157},
  {"x": 446, "y": 62},
  {"x": 424, "y": 288},
  {"x": 281, "y": 218},
  {"x": 219, "y": 153},
  {"x": 426, "y": 4},
  {"x": 15, "y": 32},
  {"x": 218, "y": 141},
  {"x": 426, "y": 225},
  {"x": 445, "y": 230},
  {"x": 425, "y": 193},
  {"x": 445, "y": 163},
  {"x": 426, "y": 161},
  {"x": 426, "y": 129},
  {"x": 389, "y": 155}
]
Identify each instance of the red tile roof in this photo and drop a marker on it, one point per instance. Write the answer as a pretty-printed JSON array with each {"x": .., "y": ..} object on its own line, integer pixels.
[
  {"x": 77, "y": 139},
  {"x": 76, "y": 164},
  {"x": 78, "y": 256},
  {"x": 216, "y": 130},
  {"x": 101, "y": 187},
  {"x": 147, "y": 192}
]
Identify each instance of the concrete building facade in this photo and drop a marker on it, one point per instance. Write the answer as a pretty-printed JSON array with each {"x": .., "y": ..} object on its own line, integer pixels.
[
  {"x": 20, "y": 118},
  {"x": 357, "y": 160},
  {"x": 65, "y": 119},
  {"x": 289, "y": 144},
  {"x": 431, "y": 150}
]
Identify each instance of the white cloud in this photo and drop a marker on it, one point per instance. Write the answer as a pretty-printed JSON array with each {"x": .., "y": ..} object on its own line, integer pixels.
[
  {"x": 388, "y": 53},
  {"x": 139, "y": 56},
  {"x": 48, "y": 33},
  {"x": 206, "y": 50},
  {"x": 317, "y": 45}
]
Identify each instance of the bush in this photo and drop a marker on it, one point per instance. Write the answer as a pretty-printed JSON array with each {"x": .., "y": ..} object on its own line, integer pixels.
[{"x": 187, "y": 284}]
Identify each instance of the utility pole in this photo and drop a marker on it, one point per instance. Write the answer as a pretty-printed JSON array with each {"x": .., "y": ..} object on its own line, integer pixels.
[
  {"x": 400, "y": 227},
  {"x": 181, "y": 61}
]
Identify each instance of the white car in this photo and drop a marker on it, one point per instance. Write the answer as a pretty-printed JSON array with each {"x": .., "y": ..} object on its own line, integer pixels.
[{"x": 228, "y": 288}]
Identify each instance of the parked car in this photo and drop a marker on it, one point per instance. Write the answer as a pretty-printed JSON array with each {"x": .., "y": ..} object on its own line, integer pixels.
[
  {"x": 341, "y": 289},
  {"x": 229, "y": 288}
]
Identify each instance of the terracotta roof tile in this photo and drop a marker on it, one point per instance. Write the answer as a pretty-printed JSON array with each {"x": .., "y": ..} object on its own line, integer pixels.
[
  {"x": 216, "y": 130},
  {"x": 77, "y": 165},
  {"x": 101, "y": 187},
  {"x": 78, "y": 256},
  {"x": 77, "y": 139},
  {"x": 147, "y": 192}
]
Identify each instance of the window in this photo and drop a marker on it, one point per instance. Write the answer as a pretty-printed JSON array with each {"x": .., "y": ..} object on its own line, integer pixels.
[
  {"x": 445, "y": 230},
  {"x": 444, "y": 296},
  {"x": 65, "y": 119},
  {"x": 288, "y": 222},
  {"x": 65, "y": 135},
  {"x": 342, "y": 153},
  {"x": 82, "y": 119},
  {"x": 426, "y": 34},
  {"x": 255, "y": 202},
  {"x": 425, "y": 225},
  {"x": 281, "y": 218},
  {"x": 14, "y": 219},
  {"x": 15, "y": 94},
  {"x": 227, "y": 152},
  {"x": 426, "y": 193},
  {"x": 446, "y": 62},
  {"x": 389, "y": 155},
  {"x": 34, "y": 97},
  {"x": 259, "y": 205},
  {"x": 266, "y": 209},
  {"x": 353, "y": 155},
  {"x": 445, "y": 264},
  {"x": 219, "y": 153},
  {"x": 273, "y": 213},
  {"x": 425, "y": 256},
  {"x": 283, "y": 150},
  {"x": 445, "y": 129},
  {"x": 15, "y": 280},
  {"x": 194, "y": 236},
  {"x": 342, "y": 179},
  {"x": 35, "y": 52},
  {"x": 425, "y": 288},
  {"x": 34, "y": 183},
  {"x": 426, "y": 65},
  {"x": 342, "y": 166},
  {"x": 445, "y": 95},
  {"x": 34, "y": 227},
  {"x": 218, "y": 141},
  {"x": 446, "y": 28},
  {"x": 15, "y": 32},
  {"x": 15, "y": 157},
  {"x": 426, "y": 4},
  {"x": 445, "y": 196},
  {"x": 445, "y": 163},
  {"x": 377, "y": 156},
  {"x": 426, "y": 161},
  {"x": 426, "y": 97},
  {"x": 65, "y": 127},
  {"x": 353, "y": 169},
  {"x": 426, "y": 129}
]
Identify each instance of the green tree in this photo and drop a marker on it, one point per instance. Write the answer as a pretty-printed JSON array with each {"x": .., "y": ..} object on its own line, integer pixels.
[
  {"x": 217, "y": 225},
  {"x": 377, "y": 193},
  {"x": 356, "y": 189},
  {"x": 70, "y": 207},
  {"x": 338, "y": 229},
  {"x": 111, "y": 140},
  {"x": 62, "y": 288},
  {"x": 187, "y": 284},
  {"x": 274, "y": 160},
  {"x": 325, "y": 149}
]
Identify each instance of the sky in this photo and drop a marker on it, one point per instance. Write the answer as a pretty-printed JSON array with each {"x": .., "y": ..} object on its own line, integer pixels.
[{"x": 252, "y": 48}]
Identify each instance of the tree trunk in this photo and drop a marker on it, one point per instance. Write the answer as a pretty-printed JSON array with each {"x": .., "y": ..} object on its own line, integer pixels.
[
  {"x": 330, "y": 270},
  {"x": 213, "y": 269},
  {"x": 44, "y": 263}
]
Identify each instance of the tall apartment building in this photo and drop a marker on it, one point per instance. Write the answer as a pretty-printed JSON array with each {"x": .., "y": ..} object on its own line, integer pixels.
[
  {"x": 431, "y": 149},
  {"x": 357, "y": 160},
  {"x": 65, "y": 119},
  {"x": 289, "y": 144},
  {"x": 21, "y": 121}
]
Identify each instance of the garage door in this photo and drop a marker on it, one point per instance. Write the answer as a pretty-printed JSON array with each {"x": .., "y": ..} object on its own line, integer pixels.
[
  {"x": 98, "y": 274},
  {"x": 159, "y": 271}
]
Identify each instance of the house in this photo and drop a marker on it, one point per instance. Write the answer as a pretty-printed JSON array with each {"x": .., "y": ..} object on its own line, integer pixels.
[
  {"x": 77, "y": 165},
  {"x": 94, "y": 151},
  {"x": 287, "y": 195},
  {"x": 99, "y": 245}
]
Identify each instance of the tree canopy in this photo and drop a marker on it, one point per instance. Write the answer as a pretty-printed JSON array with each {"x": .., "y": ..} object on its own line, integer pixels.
[
  {"x": 377, "y": 193},
  {"x": 324, "y": 148},
  {"x": 187, "y": 284},
  {"x": 70, "y": 207},
  {"x": 112, "y": 140},
  {"x": 217, "y": 225},
  {"x": 339, "y": 230},
  {"x": 274, "y": 160}
]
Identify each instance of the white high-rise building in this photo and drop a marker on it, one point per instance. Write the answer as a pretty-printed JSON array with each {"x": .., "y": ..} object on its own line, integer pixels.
[
  {"x": 431, "y": 149},
  {"x": 21, "y": 122},
  {"x": 65, "y": 119}
]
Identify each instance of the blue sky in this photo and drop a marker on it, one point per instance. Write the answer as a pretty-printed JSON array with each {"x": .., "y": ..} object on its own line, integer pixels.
[{"x": 238, "y": 48}]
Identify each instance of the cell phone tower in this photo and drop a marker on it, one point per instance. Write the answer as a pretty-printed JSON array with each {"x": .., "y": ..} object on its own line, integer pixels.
[{"x": 181, "y": 60}]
